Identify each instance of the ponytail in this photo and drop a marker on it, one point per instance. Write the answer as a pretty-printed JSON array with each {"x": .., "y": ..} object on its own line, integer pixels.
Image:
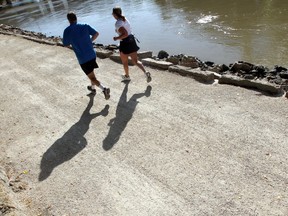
[{"x": 123, "y": 18}]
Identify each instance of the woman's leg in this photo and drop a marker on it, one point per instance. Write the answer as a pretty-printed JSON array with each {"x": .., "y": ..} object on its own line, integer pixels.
[
  {"x": 135, "y": 61},
  {"x": 124, "y": 59}
]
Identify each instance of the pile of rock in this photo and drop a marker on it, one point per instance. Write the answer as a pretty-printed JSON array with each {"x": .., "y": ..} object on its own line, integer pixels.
[{"x": 278, "y": 75}]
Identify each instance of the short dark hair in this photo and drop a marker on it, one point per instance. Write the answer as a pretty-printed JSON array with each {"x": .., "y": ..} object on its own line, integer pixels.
[{"x": 71, "y": 16}]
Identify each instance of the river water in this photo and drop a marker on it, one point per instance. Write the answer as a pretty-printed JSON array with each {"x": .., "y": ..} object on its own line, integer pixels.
[{"x": 222, "y": 31}]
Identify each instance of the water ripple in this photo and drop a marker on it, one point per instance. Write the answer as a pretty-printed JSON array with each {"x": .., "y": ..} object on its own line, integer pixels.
[{"x": 206, "y": 19}]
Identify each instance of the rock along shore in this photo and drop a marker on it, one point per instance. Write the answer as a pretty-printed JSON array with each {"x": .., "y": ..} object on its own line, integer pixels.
[{"x": 272, "y": 81}]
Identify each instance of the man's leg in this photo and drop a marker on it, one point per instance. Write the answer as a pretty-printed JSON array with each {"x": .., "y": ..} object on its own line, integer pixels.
[{"x": 94, "y": 81}]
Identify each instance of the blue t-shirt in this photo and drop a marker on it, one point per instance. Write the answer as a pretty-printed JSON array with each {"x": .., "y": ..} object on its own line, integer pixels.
[{"x": 78, "y": 35}]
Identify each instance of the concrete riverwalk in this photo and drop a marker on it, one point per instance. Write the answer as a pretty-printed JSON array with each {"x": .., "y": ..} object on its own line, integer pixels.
[{"x": 174, "y": 146}]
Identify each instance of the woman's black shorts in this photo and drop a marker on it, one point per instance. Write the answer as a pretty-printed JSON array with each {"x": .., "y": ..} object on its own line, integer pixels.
[
  {"x": 128, "y": 45},
  {"x": 89, "y": 66}
]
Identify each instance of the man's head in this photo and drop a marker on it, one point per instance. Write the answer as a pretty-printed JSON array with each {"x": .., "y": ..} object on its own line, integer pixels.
[{"x": 71, "y": 16}]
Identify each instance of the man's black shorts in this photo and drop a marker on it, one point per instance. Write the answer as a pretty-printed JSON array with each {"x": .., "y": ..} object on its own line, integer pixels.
[{"x": 89, "y": 66}]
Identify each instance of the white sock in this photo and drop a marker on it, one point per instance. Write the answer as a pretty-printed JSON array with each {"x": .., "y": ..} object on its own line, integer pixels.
[
  {"x": 93, "y": 86},
  {"x": 101, "y": 87}
]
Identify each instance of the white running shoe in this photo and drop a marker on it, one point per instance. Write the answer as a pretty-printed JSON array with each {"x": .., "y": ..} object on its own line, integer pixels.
[
  {"x": 125, "y": 78},
  {"x": 93, "y": 91}
]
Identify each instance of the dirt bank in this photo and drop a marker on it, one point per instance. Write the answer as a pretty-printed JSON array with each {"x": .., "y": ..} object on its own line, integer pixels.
[{"x": 174, "y": 147}]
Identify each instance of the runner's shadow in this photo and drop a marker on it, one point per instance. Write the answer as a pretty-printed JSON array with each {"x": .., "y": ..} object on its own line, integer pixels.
[
  {"x": 71, "y": 143},
  {"x": 124, "y": 113}
]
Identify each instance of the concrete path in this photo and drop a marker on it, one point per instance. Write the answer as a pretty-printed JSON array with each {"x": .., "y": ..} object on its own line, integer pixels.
[{"x": 171, "y": 147}]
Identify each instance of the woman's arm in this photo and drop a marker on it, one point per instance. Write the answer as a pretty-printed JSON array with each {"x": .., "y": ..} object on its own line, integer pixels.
[{"x": 123, "y": 34}]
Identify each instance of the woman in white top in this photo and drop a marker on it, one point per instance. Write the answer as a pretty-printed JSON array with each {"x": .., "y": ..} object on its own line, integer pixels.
[{"x": 128, "y": 46}]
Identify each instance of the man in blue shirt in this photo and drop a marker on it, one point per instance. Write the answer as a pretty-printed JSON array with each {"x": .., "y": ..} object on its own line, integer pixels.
[{"x": 80, "y": 37}]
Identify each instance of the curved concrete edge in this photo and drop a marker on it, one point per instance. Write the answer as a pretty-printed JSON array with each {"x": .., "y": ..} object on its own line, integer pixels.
[
  {"x": 116, "y": 58},
  {"x": 197, "y": 74},
  {"x": 254, "y": 84},
  {"x": 202, "y": 76},
  {"x": 103, "y": 53},
  {"x": 42, "y": 41},
  {"x": 209, "y": 77},
  {"x": 144, "y": 54},
  {"x": 156, "y": 64}
]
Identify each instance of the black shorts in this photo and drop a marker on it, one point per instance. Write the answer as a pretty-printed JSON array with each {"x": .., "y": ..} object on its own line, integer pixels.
[
  {"x": 89, "y": 66},
  {"x": 128, "y": 45}
]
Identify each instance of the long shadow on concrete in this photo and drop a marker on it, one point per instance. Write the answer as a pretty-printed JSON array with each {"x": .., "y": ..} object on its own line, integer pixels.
[
  {"x": 124, "y": 113},
  {"x": 71, "y": 143}
]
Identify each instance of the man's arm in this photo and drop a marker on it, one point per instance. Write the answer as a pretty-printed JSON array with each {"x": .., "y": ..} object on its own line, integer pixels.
[{"x": 94, "y": 36}]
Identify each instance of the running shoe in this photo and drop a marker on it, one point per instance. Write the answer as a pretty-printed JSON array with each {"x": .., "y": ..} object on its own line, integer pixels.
[
  {"x": 106, "y": 93},
  {"x": 93, "y": 91},
  {"x": 148, "y": 76},
  {"x": 125, "y": 78}
]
